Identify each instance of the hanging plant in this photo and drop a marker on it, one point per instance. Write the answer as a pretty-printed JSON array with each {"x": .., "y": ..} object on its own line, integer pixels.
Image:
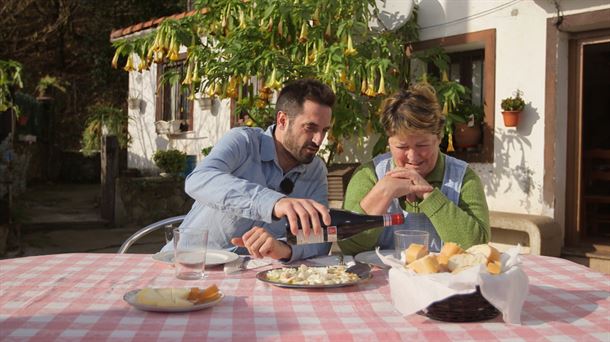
[{"x": 231, "y": 42}]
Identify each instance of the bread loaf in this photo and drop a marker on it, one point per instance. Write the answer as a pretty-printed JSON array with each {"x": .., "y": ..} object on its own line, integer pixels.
[
  {"x": 460, "y": 262},
  {"x": 425, "y": 265},
  {"x": 414, "y": 252},
  {"x": 486, "y": 250}
]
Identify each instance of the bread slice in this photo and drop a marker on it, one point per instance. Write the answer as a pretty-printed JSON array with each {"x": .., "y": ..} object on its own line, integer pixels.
[
  {"x": 414, "y": 252},
  {"x": 460, "y": 262},
  {"x": 450, "y": 249},
  {"x": 494, "y": 267},
  {"x": 425, "y": 265},
  {"x": 488, "y": 251}
]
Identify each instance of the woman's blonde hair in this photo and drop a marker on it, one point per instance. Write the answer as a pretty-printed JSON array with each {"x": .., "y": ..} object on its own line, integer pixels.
[{"x": 415, "y": 110}]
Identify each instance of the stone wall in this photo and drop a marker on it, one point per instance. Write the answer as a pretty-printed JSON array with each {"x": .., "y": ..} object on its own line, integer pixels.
[{"x": 141, "y": 201}]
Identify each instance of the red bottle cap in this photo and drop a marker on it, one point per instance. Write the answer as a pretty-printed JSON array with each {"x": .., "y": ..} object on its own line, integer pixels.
[{"x": 397, "y": 219}]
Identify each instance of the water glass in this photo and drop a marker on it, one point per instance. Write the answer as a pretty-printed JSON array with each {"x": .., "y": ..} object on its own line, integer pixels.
[
  {"x": 169, "y": 233},
  {"x": 190, "y": 246},
  {"x": 404, "y": 238}
]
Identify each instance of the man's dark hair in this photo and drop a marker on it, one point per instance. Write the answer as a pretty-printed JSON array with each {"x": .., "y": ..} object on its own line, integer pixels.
[{"x": 294, "y": 94}]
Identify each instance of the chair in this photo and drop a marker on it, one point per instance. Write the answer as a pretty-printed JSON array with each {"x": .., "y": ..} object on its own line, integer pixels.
[
  {"x": 144, "y": 231},
  {"x": 596, "y": 196}
]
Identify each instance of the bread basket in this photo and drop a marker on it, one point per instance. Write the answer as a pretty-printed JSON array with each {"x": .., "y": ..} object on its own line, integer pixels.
[{"x": 472, "y": 307}]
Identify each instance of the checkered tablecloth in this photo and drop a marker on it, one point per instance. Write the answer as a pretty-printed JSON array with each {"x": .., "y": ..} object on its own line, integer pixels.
[{"x": 80, "y": 296}]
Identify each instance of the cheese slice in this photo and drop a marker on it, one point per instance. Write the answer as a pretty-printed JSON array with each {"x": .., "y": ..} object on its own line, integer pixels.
[
  {"x": 163, "y": 297},
  {"x": 414, "y": 252}
]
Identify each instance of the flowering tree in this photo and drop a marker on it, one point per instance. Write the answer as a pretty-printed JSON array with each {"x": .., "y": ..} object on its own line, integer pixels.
[{"x": 233, "y": 44}]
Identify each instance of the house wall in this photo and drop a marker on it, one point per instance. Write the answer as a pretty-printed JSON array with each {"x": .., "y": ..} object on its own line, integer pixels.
[
  {"x": 514, "y": 181},
  {"x": 209, "y": 125}
]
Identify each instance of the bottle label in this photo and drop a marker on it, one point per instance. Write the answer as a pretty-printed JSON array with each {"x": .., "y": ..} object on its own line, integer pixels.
[
  {"x": 331, "y": 232},
  {"x": 328, "y": 235}
]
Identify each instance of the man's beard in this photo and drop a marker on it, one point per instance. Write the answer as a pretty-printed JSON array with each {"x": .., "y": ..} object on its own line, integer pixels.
[{"x": 300, "y": 153}]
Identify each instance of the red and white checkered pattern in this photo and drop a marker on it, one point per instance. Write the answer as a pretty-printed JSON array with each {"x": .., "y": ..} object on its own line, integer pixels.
[{"x": 79, "y": 297}]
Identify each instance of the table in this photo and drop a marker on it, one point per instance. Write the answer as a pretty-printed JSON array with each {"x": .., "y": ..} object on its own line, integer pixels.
[{"x": 79, "y": 296}]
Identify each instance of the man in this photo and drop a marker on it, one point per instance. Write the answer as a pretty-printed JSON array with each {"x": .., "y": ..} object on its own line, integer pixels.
[{"x": 254, "y": 181}]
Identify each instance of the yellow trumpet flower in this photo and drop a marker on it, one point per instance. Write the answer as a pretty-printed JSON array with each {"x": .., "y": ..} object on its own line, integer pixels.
[
  {"x": 129, "y": 65},
  {"x": 196, "y": 76},
  {"x": 328, "y": 32},
  {"x": 273, "y": 83},
  {"x": 115, "y": 59},
  {"x": 188, "y": 79},
  {"x": 242, "y": 20},
  {"x": 280, "y": 28},
  {"x": 350, "y": 51},
  {"x": 450, "y": 143},
  {"x": 381, "y": 90},
  {"x": 363, "y": 86},
  {"x": 304, "y": 31}
]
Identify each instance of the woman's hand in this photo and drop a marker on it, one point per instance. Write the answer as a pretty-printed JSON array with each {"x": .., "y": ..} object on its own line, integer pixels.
[
  {"x": 403, "y": 183},
  {"x": 416, "y": 186},
  {"x": 261, "y": 244}
]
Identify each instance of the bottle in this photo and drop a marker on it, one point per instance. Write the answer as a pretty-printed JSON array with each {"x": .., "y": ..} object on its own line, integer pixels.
[{"x": 343, "y": 225}]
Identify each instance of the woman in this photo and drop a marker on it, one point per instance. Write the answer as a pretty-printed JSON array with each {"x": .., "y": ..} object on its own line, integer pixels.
[{"x": 436, "y": 192}]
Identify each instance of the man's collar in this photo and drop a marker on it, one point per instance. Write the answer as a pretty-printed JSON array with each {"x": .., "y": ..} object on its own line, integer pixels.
[
  {"x": 269, "y": 153},
  {"x": 268, "y": 145}
]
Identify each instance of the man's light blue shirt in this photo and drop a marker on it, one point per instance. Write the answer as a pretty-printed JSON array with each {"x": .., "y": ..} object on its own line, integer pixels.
[{"x": 236, "y": 186}]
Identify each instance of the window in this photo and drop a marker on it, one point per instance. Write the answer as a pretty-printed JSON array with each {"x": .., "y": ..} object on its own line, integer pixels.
[
  {"x": 173, "y": 104},
  {"x": 473, "y": 63}
]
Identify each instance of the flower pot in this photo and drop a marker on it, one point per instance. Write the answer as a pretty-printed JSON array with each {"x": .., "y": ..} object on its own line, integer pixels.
[
  {"x": 511, "y": 118},
  {"x": 23, "y": 120},
  {"x": 465, "y": 136}
]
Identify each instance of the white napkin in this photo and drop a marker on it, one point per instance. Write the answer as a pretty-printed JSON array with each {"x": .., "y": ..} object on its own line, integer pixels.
[
  {"x": 506, "y": 291},
  {"x": 330, "y": 260},
  {"x": 245, "y": 262}
]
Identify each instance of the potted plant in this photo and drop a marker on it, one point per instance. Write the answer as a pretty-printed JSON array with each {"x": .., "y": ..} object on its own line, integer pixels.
[
  {"x": 104, "y": 120},
  {"x": 511, "y": 108},
  {"x": 171, "y": 162},
  {"x": 47, "y": 82},
  {"x": 467, "y": 119}
]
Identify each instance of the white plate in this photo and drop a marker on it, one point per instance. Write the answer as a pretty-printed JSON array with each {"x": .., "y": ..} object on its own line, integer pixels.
[
  {"x": 363, "y": 276},
  {"x": 130, "y": 298},
  {"x": 371, "y": 258},
  {"x": 213, "y": 257}
]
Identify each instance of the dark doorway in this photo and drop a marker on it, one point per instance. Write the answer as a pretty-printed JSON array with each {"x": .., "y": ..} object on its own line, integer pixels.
[{"x": 595, "y": 146}]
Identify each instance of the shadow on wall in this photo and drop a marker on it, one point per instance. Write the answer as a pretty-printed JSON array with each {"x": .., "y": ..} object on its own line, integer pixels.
[
  {"x": 509, "y": 142},
  {"x": 146, "y": 166}
]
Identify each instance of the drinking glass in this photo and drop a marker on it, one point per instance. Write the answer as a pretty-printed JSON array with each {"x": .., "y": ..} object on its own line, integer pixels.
[
  {"x": 404, "y": 238},
  {"x": 190, "y": 246}
]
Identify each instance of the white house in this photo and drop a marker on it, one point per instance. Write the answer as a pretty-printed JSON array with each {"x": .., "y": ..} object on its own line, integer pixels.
[{"x": 556, "y": 52}]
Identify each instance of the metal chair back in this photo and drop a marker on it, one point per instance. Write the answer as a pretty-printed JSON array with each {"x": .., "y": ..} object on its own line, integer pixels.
[{"x": 144, "y": 231}]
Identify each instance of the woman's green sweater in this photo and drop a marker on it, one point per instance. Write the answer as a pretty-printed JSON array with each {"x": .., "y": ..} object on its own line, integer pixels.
[{"x": 466, "y": 224}]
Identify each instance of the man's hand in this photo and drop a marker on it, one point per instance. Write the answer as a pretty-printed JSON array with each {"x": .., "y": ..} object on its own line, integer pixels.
[
  {"x": 302, "y": 210},
  {"x": 261, "y": 244}
]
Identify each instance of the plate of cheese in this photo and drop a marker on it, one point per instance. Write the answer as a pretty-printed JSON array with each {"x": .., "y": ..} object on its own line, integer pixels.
[{"x": 173, "y": 299}]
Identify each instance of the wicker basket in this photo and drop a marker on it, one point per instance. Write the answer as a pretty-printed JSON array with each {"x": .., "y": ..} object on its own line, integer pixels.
[{"x": 472, "y": 307}]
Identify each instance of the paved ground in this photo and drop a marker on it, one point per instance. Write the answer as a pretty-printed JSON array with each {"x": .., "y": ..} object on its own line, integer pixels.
[{"x": 64, "y": 218}]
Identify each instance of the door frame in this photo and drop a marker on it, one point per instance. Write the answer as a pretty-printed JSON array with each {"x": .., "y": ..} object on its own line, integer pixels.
[{"x": 582, "y": 29}]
